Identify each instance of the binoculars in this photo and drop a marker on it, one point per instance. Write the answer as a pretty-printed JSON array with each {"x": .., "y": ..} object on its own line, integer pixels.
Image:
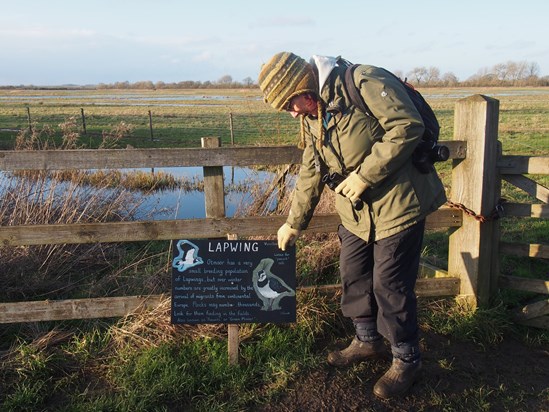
[
  {"x": 424, "y": 156},
  {"x": 332, "y": 180}
]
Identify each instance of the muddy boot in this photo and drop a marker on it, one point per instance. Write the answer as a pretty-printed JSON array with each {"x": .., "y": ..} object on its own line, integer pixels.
[
  {"x": 357, "y": 351},
  {"x": 398, "y": 379},
  {"x": 367, "y": 343}
]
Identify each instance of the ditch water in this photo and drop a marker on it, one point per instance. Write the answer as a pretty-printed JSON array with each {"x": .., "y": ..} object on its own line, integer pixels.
[
  {"x": 239, "y": 183},
  {"x": 180, "y": 204},
  {"x": 129, "y": 99}
]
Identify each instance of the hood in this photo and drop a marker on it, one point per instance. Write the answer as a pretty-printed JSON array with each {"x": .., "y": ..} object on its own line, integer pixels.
[{"x": 324, "y": 65}]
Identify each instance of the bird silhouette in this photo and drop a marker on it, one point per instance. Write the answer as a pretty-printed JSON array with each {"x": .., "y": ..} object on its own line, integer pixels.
[
  {"x": 188, "y": 256},
  {"x": 269, "y": 288}
]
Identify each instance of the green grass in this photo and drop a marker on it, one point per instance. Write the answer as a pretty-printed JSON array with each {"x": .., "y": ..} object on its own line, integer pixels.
[
  {"x": 193, "y": 373},
  {"x": 173, "y": 126},
  {"x": 145, "y": 364}
]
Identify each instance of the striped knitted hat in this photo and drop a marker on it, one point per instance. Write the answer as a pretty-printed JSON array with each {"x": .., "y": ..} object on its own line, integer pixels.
[{"x": 285, "y": 76}]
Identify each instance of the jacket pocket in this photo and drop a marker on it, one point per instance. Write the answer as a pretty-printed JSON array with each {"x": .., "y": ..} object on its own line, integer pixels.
[
  {"x": 396, "y": 205},
  {"x": 356, "y": 221}
]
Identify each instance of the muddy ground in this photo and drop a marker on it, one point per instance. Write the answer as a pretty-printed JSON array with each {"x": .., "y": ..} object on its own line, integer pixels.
[{"x": 457, "y": 376}]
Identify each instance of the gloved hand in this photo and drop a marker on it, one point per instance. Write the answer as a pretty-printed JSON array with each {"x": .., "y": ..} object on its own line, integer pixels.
[
  {"x": 352, "y": 187},
  {"x": 287, "y": 236}
]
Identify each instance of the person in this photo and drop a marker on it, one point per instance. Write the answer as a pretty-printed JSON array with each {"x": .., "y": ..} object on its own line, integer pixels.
[{"x": 380, "y": 240}]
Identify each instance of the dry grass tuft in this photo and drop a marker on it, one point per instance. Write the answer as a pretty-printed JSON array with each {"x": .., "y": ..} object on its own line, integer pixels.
[{"x": 152, "y": 328}]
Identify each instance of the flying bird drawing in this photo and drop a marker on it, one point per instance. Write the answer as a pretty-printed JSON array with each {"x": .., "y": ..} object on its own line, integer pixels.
[
  {"x": 269, "y": 288},
  {"x": 188, "y": 256}
]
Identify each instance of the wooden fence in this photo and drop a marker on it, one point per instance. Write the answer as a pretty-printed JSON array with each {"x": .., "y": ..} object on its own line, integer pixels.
[{"x": 473, "y": 268}]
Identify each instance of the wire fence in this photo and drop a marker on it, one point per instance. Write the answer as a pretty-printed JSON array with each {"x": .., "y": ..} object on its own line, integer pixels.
[
  {"x": 181, "y": 119},
  {"x": 236, "y": 121}
]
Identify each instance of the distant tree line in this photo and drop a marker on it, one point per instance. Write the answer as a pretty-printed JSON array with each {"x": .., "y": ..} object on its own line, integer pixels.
[
  {"x": 503, "y": 74},
  {"x": 507, "y": 74},
  {"x": 225, "y": 82}
]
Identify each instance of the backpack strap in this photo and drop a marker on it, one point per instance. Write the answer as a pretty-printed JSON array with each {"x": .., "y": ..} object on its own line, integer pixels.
[{"x": 353, "y": 92}]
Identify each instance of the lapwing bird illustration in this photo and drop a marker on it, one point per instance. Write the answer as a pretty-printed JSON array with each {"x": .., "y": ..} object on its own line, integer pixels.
[
  {"x": 188, "y": 256},
  {"x": 269, "y": 288}
]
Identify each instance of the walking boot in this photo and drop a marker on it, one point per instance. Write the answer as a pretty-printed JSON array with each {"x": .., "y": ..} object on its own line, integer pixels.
[
  {"x": 398, "y": 379},
  {"x": 357, "y": 351}
]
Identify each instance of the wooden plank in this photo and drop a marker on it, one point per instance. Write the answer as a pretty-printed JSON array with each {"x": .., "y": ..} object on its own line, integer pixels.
[
  {"x": 449, "y": 286},
  {"x": 530, "y": 186},
  {"x": 458, "y": 148},
  {"x": 151, "y": 230},
  {"x": 427, "y": 270},
  {"x": 146, "y": 158},
  {"x": 76, "y": 308},
  {"x": 524, "y": 284},
  {"x": 92, "y": 308},
  {"x": 179, "y": 228},
  {"x": 164, "y": 157},
  {"x": 533, "y": 310},
  {"x": 519, "y": 165},
  {"x": 526, "y": 210},
  {"x": 444, "y": 217},
  {"x": 424, "y": 287},
  {"x": 521, "y": 249}
]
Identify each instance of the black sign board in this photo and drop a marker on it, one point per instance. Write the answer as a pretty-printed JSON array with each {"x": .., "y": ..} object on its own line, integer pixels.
[{"x": 232, "y": 281}]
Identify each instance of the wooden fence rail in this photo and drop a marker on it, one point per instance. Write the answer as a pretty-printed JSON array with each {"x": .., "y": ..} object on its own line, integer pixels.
[{"x": 474, "y": 246}]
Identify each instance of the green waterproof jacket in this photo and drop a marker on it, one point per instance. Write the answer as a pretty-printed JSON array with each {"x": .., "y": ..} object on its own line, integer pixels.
[{"x": 378, "y": 148}]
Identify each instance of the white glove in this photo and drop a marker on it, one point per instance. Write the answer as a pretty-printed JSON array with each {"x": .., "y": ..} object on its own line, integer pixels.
[
  {"x": 352, "y": 187},
  {"x": 287, "y": 236}
]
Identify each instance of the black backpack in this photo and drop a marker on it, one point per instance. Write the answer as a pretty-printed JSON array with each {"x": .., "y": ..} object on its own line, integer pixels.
[{"x": 428, "y": 151}]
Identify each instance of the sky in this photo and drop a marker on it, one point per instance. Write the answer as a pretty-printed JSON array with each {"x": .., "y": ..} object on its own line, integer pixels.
[{"x": 57, "y": 42}]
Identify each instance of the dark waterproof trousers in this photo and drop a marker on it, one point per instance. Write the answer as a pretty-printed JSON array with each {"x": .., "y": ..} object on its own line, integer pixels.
[{"x": 378, "y": 281}]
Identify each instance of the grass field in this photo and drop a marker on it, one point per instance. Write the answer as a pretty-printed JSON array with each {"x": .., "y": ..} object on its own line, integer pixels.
[
  {"x": 474, "y": 361},
  {"x": 181, "y": 118}
]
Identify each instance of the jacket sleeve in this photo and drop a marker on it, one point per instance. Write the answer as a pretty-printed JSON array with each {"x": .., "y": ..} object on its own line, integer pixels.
[
  {"x": 390, "y": 104},
  {"x": 308, "y": 189}
]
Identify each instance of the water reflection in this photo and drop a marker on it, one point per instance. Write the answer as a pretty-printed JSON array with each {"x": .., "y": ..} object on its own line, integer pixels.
[
  {"x": 240, "y": 185},
  {"x": 182, "y": 204}
]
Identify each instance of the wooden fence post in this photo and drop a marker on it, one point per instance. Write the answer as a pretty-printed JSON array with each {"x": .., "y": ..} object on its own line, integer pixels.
[
  {"x": 29, "y": 119},
  {"x": 473, "y": 248},
  {"x": 151, "y": 125},
  {"x": 231, "y": 128},
  {"x": 83, "y": 121},
  {"x": 233, "y": 330},
  {"x": 214, "y": 198},
  {"x": 214, "y": 193}
]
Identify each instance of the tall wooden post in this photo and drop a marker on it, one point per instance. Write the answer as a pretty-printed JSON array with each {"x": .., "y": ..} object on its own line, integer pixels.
[
  {"x": 473, "y": 248},
  {"x": 214, "y": 197}
]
